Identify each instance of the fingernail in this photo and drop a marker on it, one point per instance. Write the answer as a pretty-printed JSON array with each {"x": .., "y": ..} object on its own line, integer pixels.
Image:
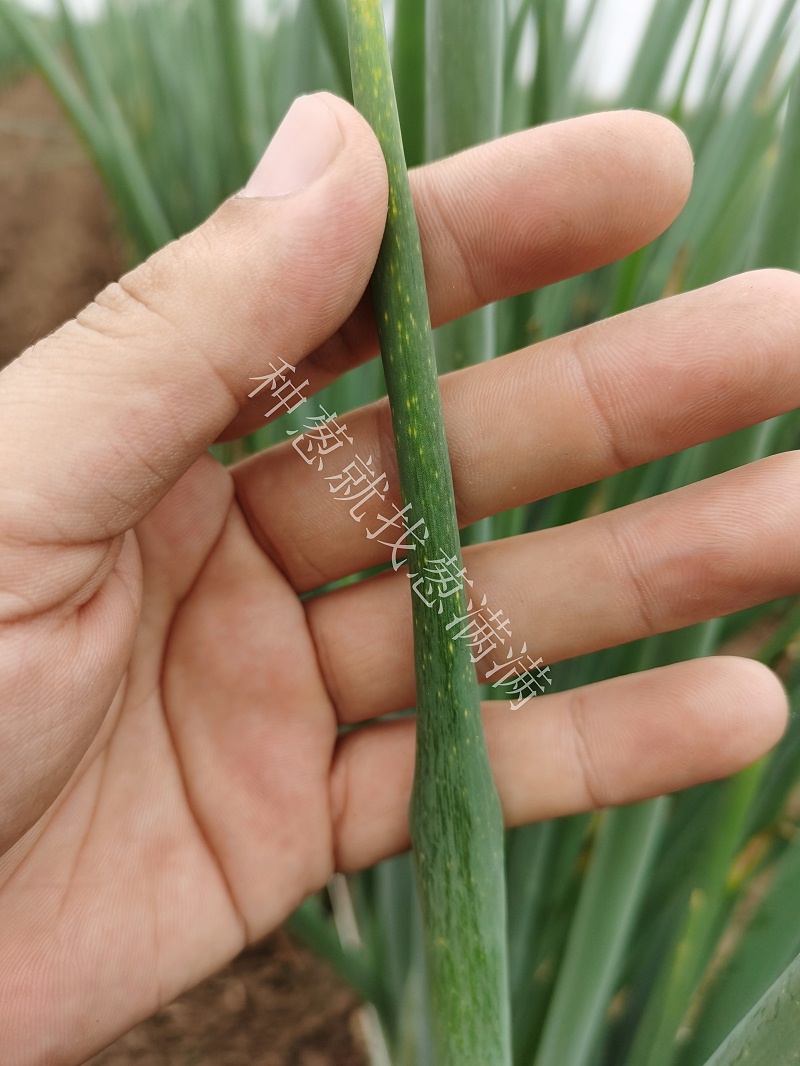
[{"x": 304, "y": 145}]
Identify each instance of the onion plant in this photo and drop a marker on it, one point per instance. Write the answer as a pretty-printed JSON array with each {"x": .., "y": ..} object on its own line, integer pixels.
[
  {"x": 456, "y": 820},
  {"x": 662, "y": 934},
  {"x": 12, "y": 62}
]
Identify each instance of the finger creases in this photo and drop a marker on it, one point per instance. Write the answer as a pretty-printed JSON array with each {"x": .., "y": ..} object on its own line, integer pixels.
[
  {"x": 563, "y": 413},
  {"x": 145, "y": 378},
  {"x": 521, "y": 212},
  {"x": 657, "y": 565},
  {"x": 615, "y": 742}
]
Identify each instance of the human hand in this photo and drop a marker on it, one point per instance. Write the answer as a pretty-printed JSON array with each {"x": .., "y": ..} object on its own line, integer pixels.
[{"x": 173, "y": 784}]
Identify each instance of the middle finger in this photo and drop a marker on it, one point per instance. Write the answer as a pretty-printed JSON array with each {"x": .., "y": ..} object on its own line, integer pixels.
[{"x": 553, "y": 416}]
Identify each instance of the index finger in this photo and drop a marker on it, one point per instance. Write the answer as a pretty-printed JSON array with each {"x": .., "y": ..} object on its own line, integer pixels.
[{"x": 520, "y": 213}]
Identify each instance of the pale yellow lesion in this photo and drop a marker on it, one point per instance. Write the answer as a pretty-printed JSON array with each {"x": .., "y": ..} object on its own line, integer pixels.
[{"x": 367, "y": 10}]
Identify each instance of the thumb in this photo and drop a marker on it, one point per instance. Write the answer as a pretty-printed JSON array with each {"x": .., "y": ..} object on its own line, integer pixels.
[{"x": 101, "y": 418}]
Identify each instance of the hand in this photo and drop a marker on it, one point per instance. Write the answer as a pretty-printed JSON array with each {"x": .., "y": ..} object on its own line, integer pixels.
[{"x": 172, "y": 783}]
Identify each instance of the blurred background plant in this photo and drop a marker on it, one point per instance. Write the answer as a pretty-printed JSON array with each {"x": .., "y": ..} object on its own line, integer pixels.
[{"x": 638, "y": 936}]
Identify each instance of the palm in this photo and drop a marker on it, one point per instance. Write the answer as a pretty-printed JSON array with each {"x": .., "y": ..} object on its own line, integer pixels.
[{"x": 201, "y": 815}]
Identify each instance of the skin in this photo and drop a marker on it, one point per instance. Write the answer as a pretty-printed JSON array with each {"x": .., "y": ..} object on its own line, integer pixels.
[{"x": 172, "y": 784}]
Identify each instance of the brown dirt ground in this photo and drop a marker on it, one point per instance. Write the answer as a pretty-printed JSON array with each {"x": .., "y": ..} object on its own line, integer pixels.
[
  {"x": 56, "y": 238},
  {"x": 276, "y": 1005}
]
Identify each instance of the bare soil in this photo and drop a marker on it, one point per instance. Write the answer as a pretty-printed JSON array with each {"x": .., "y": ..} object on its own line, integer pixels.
[
  {"x": 276, "y": 1005},
  {"x": 56, "y": 232}
]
